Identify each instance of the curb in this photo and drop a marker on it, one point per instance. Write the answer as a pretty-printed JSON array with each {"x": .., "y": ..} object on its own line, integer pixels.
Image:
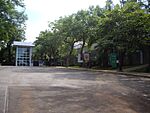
[{"x": 144, "y": 75}]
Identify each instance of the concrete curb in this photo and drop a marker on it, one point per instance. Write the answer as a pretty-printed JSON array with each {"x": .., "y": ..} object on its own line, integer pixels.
[{"x": 145, "y": 75}]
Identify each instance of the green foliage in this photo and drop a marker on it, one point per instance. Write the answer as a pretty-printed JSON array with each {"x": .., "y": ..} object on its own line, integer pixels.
[
  {"x": 46, "y": 46},
  {"x": 120, "y": 28},
  {"x": 11, "y": 23},
  {"x": 11, "y": 20},
  {"x": 124, "y": 28}
]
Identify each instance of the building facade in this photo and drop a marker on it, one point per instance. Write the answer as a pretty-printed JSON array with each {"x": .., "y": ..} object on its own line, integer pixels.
[{"x": 23, "y": 53}]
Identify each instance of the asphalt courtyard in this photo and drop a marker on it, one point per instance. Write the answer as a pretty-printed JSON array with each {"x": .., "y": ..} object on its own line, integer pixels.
[{"x": 61, "y": 90}]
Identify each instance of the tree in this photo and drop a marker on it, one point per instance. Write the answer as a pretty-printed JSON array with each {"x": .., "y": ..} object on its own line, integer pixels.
[
  {"x": 109, "y": 5},
  {"x": 124, "y": 29},
  {"x": 143, "y": 3},
  {"x": 47, "y": 45},
  {"x": 11, "y": 24},
  {"x": 66, "y": 28}
]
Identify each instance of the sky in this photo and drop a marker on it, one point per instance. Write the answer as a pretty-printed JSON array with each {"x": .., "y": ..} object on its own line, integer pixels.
[{"x": 40, "y": 12}]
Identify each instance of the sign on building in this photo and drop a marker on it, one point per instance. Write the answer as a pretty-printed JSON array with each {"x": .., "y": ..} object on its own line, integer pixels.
[
  {"x": 113, "y": 60},
  {"x": 86, "y": 57}
]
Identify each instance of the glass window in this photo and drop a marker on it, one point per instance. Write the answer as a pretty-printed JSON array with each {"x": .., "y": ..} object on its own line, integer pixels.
[{"x": 23, "y": 57}]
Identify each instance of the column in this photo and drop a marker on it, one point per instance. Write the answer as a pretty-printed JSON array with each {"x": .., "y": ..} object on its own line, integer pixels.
[
  {"x": 16, "y": 55},
  {"x": 30, "y": 55}
]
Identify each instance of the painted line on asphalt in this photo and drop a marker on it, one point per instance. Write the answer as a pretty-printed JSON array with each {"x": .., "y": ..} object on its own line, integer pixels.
[{"x": 6, "y": 100}]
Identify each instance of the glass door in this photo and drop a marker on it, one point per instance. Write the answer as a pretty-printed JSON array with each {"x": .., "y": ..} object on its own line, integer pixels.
[{"x": 23, "y": 56}]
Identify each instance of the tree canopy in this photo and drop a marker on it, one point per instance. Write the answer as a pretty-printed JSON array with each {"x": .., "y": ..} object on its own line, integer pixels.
[
  {"x": 120, "y": 28},
  {"x": 12, "y": 24}
]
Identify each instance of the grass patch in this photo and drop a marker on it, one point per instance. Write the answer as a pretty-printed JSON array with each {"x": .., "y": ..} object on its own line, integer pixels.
[{"x": 143, "y": 70}]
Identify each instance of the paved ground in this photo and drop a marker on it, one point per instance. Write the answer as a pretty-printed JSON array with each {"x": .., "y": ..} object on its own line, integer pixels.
[{"x": 58, "y": 90}]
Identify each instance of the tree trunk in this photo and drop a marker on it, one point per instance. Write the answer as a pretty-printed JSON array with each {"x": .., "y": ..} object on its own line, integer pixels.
[
  {"x": 149, "y": 61},
  {"x": 1, "y": 55},
  {"x": 149, "y": 56},
  {"x": 68, "y": 60},
  {"x": 81, "y": 51},
  {"x": 9, "y": 53},
  {"x": 9, "y": 50},
  {"x": 121, "y": 58},
  {"x": 105, "y": 59},
  {"x": 130, "y": 59}
]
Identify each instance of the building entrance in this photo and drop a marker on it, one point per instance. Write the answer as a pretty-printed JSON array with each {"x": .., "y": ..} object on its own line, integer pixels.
[
  {"x": 23, "y": 56},
  {"x": 23, "y": 53}
]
